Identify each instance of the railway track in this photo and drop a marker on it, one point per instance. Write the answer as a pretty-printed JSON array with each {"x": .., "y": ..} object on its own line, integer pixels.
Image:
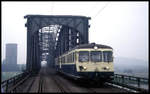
[
  {"x": 58, "y": 84},
  {"x": 115, "y": 86},
  {"x": 42, "y": 83},
  {"x": 28, "y": 84},
  {"x": 14, "y": 87},
  {"x": 91, "y": 90},
  {"x": 34, "y": 84},
  {"x": 49, "y": 81},
  {"x": 88, "y": 87},
  {"x": 31, "y": 84},
  {"x": 107, "y": 87},
  {"x": 40, "y": 88}
]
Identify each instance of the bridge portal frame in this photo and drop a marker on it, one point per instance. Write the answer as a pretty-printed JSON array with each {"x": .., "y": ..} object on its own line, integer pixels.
[{"x": 36, "y": 22}]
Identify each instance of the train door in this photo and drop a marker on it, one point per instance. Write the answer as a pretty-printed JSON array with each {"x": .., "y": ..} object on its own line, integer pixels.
[
  {"x": 76, "y": 59},
  {"x": 59, "y": 63}
]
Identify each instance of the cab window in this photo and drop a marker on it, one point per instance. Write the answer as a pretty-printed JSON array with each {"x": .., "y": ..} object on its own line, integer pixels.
[
  {"x": 83, "y": 56},
  {"x": 107, "y": 56},
  {"x": 96, "y": 56}
]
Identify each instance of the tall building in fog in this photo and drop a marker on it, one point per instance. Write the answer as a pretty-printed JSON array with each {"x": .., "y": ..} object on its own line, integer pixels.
[
  {"x": 11, "y": 54},
  {"x": 10, "y": 63}
]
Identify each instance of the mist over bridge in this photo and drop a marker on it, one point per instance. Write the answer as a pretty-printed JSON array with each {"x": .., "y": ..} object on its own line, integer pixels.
[{"x": 49, "y": 36}]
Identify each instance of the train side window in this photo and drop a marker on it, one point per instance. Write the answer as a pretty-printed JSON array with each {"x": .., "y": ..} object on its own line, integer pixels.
[
  {"x": 83, "y": 56},
  {"x": 61, "y": 60},
  {"x": 107, "y": 56},
  {"x": 70, "y": 58},
  {"x": 65, "y": 60}
]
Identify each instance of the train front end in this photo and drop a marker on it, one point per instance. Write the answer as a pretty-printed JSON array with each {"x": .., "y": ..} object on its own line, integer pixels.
[{"x": 95, "y": 63}]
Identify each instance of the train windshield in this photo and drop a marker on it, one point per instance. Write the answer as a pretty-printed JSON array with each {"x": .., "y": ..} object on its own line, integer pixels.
[
  {"x": 107, "y": 56},
  {"x": 96, "y": 56},
  {"x": 83, "y": 56}
]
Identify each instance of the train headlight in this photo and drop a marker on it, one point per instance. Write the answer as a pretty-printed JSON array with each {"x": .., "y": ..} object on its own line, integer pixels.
[
  {"x": 84, "y": 68},
  {"x": 95, "y": 47},
  {"x": 106, "y": 68}
]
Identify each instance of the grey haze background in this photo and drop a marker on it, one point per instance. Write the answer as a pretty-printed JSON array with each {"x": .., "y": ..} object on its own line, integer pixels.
[{"x": 122, "y": 25}]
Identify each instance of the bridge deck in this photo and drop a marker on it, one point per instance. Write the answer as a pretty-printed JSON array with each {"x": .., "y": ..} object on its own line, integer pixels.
[{"x": 47, "y": 80}]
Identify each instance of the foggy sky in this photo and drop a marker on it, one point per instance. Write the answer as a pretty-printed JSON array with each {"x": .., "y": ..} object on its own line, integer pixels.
[{"x": 121, "y": 25}]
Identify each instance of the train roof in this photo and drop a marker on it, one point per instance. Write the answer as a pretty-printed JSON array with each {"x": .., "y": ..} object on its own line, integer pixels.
[{"x": 92, "y": 45}]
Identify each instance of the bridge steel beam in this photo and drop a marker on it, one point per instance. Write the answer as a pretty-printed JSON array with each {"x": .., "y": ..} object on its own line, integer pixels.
[{"x": 66, "y": 40}]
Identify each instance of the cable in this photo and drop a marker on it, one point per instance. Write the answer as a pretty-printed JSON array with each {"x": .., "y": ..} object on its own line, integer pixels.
[
  {"x": 52, "y": 8},
  {"x": 101, "y": 9},
  {"x": 92, "y": 9}
]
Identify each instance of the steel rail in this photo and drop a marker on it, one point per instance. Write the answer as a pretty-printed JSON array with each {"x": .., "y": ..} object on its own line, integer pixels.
[
  {"x": 13, "y": 89},
  {"x": 60, "y": 87}
]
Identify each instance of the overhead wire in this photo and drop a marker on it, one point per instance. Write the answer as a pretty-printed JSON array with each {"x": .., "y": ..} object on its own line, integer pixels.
[
  {"x": 100, "y": 10},
  {"x": 92, "y": 9},
  {"x": 52, "y": 7}
]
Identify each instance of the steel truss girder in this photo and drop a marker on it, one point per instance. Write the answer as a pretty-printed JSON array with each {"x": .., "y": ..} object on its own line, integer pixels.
[
  {"x": 66, "y": 40},
  {"x": 79, "y": 23}
]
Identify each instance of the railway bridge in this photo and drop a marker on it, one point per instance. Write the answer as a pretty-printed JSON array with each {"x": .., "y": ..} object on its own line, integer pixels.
[{"x": 49, "y": 36}]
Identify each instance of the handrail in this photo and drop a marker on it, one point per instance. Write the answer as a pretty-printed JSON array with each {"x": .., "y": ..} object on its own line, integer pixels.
[
  {"x": 12, "y": 80},
  {"x": 13, "y": 88},
  {"x": 122, "y": 80},
  {"x": 131, "y": 76}
]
